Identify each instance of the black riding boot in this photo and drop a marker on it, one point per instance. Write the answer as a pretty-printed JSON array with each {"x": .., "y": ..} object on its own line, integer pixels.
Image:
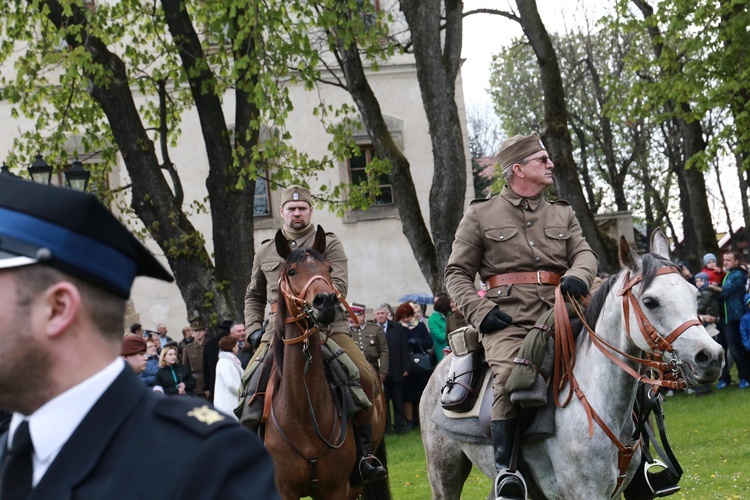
[
  {"x": 508, "y": 485},
  {"x": 364, "y": 470}
]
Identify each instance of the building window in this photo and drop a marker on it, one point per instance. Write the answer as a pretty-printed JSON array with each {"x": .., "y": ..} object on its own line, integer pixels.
[
  {"x": 358, "y": 175},
  {"x": 262, "y": 200}
]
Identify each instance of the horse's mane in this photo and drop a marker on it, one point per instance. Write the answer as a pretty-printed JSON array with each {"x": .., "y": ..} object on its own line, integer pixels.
[
  {"x": 650, "y": 263},
  {"x": 295, "y": 256}
]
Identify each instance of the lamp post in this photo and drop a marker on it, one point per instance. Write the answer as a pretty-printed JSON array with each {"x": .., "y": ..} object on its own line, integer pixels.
[
  {"x": 77, "y": 177},
  {"x": 40, "y": 171},
  {"x": 5, "y": 172}
]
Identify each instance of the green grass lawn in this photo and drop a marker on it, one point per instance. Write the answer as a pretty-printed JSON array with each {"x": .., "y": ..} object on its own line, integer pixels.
[{"x": 710, "y": 436}]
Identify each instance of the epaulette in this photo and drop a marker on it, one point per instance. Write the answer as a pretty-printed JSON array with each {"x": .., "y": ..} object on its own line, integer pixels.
[
  {"x": 561, "y": 202},
  {"x": 193, "y": 414},
  {"x": 479, "y": 200}
]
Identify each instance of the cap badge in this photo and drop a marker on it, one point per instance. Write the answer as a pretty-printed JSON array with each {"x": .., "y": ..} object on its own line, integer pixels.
[
  {"x": 541, "y": 145},
  {"x": 206, "y": 415},
  {"x": 295, "y": 196}
]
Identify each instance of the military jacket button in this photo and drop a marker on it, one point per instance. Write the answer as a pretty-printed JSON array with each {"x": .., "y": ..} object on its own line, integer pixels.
[
  {"x": 537, "y": 259},
  {"x": 529, "y": 224},
  {"x": 532, "y": 244}
]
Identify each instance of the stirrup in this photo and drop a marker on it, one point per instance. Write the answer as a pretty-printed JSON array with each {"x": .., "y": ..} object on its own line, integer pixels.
[
  {"x": 376, "y": 463},
  {"x": 503, "y": 473},
  {"x": 664, "y": 490}
]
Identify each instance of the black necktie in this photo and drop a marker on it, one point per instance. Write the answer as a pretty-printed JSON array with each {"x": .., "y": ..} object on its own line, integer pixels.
[{"x": 18, "y": 468}]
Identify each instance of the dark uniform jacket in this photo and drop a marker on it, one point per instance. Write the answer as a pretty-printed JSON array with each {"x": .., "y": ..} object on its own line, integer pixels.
[
  {"x": 107, "y": 456},
  {"x": 263, "y": 287},
  {"x": 508, "y": 234},
  {"x": 371, "y": 341},
  {"x": 398, "y": 351}
]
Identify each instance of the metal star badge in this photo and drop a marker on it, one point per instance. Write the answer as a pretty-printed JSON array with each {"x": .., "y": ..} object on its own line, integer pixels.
[{"x": 206, "y": 415}]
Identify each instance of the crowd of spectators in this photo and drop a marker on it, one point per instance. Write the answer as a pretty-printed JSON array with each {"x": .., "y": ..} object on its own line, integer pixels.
[{"x": 201, "y": 364}]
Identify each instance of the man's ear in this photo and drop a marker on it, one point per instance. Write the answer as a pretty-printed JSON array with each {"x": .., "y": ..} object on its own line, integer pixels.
[{"x": 61, "y": 303}]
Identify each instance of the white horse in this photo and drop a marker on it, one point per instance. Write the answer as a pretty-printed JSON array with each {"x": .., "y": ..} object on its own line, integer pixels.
[{"x": 580, "y": 460}]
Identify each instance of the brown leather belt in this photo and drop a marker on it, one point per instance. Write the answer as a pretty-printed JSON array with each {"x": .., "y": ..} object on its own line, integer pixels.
[
  {"x": 274, "y": 307},
  {"x": 529, "y": 278}
]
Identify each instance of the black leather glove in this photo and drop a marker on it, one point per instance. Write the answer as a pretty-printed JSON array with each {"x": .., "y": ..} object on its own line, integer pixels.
[
  {"x": 254, "y": 338},
  {"x": 573, "y": 286},
  {"x": 495, "y": 321}
]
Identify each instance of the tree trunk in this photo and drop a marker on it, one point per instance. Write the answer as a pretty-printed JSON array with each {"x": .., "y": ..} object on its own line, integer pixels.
[
  {"x": 557, "y": 135},
  {"x": 407, "y": 202},
  {"x": 152, "y": 199},
  {"x": 684, "y": 140},
  {"x": 437, "y": 71}
]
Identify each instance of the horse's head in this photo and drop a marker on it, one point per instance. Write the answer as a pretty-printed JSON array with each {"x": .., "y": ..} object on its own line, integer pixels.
[
  {"x": 660, "y": 312},
  {"x": 305, "y": 281}
]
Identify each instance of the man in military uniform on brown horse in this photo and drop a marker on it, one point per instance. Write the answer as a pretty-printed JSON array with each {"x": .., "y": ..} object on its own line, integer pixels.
[
  {"x": 296, "y": 210},
  {"x": 522, "y": 246}
]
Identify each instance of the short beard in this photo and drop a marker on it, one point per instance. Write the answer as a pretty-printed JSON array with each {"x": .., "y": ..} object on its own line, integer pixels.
[{"x": 25, "y": 363}]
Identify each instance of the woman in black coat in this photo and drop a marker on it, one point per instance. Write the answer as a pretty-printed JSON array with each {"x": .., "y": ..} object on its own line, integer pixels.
[
  {"x": 174, "y": 378},
  {"x": 417, "y": 336}
]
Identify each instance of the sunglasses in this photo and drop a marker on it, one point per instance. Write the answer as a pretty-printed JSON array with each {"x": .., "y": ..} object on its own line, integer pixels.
[{"x": 542, "y": 159}]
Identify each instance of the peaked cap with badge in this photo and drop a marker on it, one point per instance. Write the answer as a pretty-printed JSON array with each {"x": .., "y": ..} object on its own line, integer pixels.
[{"x": 73, "y": 232}]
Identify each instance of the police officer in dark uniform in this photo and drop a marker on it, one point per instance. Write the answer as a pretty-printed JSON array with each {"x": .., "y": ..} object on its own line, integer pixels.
[
  {"x": 522, "y": 246},
  {"x": 371, "y": 341},
  {"x": 81, "y": 417}
]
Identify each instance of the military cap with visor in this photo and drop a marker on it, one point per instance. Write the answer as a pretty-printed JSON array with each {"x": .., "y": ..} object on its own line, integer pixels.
[{"x": 72, "y": 232}]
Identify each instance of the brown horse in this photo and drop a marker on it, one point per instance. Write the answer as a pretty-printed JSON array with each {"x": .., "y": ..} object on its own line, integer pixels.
[{"x": 310, "y": 439}]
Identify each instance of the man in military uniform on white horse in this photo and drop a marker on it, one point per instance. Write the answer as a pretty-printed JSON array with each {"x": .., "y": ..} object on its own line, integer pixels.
[
  {"x": 296, "y": 210},
  {"x": 522, "y": 246}
]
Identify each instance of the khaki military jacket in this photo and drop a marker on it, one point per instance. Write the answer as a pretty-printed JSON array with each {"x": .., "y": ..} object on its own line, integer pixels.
[
  {"x": 508, "y": 234},
  {"x": 193, "y": 358},
  {"x": 263, "y": 287},
  {"x": 371, "y": 341}
]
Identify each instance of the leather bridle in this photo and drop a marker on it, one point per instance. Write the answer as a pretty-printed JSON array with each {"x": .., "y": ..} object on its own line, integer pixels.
[
  {"x": 663, "y": 373},
  {"x": 300, "y": 312}
]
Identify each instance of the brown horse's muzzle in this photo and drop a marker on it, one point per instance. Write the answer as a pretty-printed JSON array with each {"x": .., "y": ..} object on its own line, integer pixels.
[{"x": 324, "y": 308}]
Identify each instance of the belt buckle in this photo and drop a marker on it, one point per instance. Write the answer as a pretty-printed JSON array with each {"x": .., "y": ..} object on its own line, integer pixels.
[{"x": 538, "y": 277}]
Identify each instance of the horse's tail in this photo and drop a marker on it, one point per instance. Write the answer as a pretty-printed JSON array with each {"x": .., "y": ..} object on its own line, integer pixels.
[{"x": 379, "y": 490}]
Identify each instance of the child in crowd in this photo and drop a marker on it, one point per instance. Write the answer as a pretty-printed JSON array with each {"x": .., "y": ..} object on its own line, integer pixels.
[
  {"x": 745, "y": 324},
  {"x": 708, "y": 313},
  {"x": 711, "y": 268}
]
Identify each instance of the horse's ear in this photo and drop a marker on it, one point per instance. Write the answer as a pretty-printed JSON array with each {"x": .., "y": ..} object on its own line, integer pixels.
[
  {"x": 659, "y": 243},
  {"x": 320, "y": 241},
  {"x": 282, "y": 245},
  {"x": 628, "y": 257}
]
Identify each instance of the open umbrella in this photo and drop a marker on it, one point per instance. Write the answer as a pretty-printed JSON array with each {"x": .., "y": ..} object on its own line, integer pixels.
[{"x": 419, "y": 298}]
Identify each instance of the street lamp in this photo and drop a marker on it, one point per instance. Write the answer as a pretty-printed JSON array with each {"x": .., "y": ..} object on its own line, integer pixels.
[
  {"x": 5, "y": 172},
  {"x": 77, "y": 177},
  {"x": 39, "y": 170}
]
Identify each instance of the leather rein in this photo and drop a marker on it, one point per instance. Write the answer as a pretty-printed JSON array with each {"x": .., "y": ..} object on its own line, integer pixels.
[
  {"x": 663, "y": 373},
  {"x": 301, "y": 315}
]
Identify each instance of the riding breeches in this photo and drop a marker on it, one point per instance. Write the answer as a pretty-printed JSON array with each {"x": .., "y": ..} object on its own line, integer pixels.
[{"x": 500, "y": 348}]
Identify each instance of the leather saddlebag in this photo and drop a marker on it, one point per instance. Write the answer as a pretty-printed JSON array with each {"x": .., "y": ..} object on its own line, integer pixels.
[{"x": 464, "y": 382}]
